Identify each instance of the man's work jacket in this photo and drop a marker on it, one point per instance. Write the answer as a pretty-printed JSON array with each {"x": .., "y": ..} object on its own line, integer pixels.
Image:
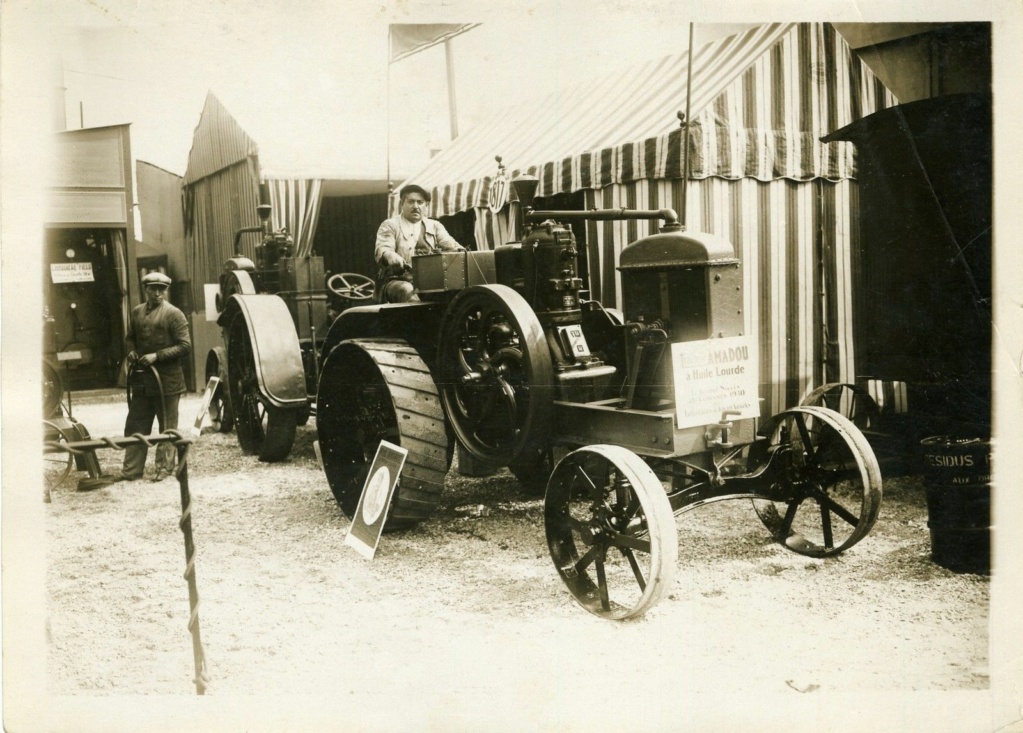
[
  {"x": 162, "y": 331},
  {"x": 391, "y": 235}
]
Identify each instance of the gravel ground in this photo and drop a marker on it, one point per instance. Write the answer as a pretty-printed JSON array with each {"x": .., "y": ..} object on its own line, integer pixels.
[{"x": 463, "y": 623}]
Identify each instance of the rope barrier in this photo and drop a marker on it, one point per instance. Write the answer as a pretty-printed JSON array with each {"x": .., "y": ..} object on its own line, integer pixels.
[
  {"x": 80, "y": 447},
  {"x": 182, "y": 442}
]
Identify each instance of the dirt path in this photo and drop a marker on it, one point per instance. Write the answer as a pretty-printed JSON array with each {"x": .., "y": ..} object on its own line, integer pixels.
[{"x": 464, "y": 620}]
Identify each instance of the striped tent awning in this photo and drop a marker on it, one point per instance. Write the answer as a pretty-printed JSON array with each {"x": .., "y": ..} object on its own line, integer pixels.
[{"x": 625, "y": 127}]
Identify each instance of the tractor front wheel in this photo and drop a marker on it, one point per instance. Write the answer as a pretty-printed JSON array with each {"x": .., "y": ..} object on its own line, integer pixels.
[
  {"x": 611, "y": 531},
  {"x": 824, "y": 490}
]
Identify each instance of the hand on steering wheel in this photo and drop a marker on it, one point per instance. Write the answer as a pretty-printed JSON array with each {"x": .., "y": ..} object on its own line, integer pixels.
[{"x": 351, "y": 286}]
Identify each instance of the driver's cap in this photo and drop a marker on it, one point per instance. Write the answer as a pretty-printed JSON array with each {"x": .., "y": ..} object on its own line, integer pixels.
[{"x": 156, "y": 278}]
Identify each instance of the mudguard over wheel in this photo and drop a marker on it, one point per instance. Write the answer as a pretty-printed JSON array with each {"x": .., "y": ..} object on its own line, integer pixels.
[
  {"x": 825, "y": 484},
  {"x": 380, "y": 389},
  {"x": 611, "y": 531},
  {"x": 263, "y": 429}
]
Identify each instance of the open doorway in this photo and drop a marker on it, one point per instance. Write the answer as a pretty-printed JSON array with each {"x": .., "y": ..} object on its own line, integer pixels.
[{"x": 84, "y": 304}]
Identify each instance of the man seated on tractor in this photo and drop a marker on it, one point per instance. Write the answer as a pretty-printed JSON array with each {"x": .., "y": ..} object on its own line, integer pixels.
[
  {"x": 401, "y": 237},
  {"x": 157, "y": 340}
]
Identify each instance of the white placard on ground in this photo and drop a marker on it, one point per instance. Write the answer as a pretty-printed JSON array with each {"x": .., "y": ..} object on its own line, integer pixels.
[
  {"x": 207, "y": 397},
  {"x": 368, "y": 522}
]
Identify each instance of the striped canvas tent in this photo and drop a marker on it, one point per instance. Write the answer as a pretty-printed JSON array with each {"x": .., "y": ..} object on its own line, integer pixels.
[{"x": 759, "y": 177}]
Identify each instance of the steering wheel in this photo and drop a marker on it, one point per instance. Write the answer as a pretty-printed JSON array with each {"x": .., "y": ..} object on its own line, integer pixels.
[{"x": 350, "y": 286}]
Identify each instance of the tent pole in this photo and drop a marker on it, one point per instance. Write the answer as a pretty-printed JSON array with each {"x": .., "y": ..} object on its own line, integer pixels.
[
  {"x": 452, "y": 105},
  {"x": 388, "y": 110},
  {"x": 685, "y": 135}
]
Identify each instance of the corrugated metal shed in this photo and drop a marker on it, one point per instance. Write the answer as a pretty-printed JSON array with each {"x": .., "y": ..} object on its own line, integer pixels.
[
  {"x": 221, "y": 192},
  {"x": 217, "y": 143}
]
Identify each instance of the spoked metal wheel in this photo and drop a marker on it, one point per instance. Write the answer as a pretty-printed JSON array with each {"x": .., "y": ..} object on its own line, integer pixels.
[
  {"x": 263, "y": 429},
  {"x": 220, "y": 412},
  {"x": 372, "y": 390},
  {"x": 57, "y": 465},
  {"x": 890, "y": 443},
  {"x": 825, "y": 484},
  {"x": 848, "y": 400},
  {"x": 53, "y": 389},
  {"x": 234, "y": 282},
  {"x": 496, "y": 375},
  {"x": 611, "y": 531}
]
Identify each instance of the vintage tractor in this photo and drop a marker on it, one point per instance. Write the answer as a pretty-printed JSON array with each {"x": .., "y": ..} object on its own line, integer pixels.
[
  {"x": 274, "y": 316},
  {"x": 624, "y": 418}
]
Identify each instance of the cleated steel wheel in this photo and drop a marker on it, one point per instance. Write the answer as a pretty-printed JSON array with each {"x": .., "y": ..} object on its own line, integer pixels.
[
  {"x": 220, "y": 412},
  {"x": 611, "y": 531},
  {"x": 496, "y": 375},
  {"x": 825, "y": 484},
  {"x": 380, "y": 389},
  {"x": 263, "y": 429}
]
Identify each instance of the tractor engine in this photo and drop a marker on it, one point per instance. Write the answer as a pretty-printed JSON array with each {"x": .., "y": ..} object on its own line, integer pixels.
[
  {"x": 544, "y": 269},
  {"x": 675, "y": 287}
]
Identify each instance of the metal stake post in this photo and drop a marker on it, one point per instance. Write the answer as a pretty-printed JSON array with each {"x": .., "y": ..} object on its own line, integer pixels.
[
  {"x": 182, "y": 442},
  {"x": 199, "y": 655}
]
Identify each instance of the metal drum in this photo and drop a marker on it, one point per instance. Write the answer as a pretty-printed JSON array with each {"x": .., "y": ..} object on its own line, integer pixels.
[{"x": 957, "y": 473}]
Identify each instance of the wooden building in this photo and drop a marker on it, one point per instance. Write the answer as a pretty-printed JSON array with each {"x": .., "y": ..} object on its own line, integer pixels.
[{"x": 90, "y": 279}]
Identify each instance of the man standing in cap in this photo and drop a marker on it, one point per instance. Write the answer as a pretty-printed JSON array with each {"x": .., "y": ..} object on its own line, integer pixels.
[
  {"x": 409, "y": 233},
  {"x": 157, "y": 335}
]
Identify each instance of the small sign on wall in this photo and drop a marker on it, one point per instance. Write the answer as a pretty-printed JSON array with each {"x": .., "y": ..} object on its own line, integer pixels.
[
  {"x": 713, "y": 376},
  {"x": 71, "y": 272},
  {"x": 368, "y": 522}
]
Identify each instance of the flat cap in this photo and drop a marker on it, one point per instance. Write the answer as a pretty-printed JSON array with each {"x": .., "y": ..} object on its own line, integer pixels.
[
  {"x": 413, "y": 188},
  {"x": 156, "y": 278}
]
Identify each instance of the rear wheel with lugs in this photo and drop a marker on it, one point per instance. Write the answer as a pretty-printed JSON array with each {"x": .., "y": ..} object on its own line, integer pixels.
[
  {"x": 372, "y": 390},
  {"x": 53, "y": 389}
]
